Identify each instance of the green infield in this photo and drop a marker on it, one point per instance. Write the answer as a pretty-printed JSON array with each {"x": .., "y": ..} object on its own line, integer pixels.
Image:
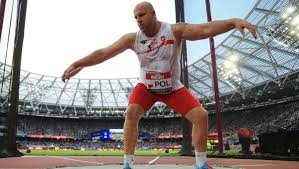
[{"x": 110, "y": 152}]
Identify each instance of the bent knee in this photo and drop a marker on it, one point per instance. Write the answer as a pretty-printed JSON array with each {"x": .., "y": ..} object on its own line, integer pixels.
[
  {"x": 197, "y": 115},
  {"x": 134, "y": 112}
]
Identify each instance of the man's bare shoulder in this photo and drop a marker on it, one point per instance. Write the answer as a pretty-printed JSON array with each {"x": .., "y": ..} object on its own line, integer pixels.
[
  {"x": 129, "y": 39},
  {"x": 178, "y": 26},
  {"x": 130, "y": 36},
  {"x": 177, "y": 29}
]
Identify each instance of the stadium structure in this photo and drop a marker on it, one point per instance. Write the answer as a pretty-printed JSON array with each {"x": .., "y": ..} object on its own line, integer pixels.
[
  {"x": 252, "y": 74},
  {"x": 244, "y": 65}
]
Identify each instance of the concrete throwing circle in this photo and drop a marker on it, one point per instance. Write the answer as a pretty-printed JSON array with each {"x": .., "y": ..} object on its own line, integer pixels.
[{"x": 147, "y": 167}]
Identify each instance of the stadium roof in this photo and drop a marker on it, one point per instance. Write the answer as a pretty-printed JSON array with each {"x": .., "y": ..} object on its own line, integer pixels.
[{"x": 243, "y": 62}]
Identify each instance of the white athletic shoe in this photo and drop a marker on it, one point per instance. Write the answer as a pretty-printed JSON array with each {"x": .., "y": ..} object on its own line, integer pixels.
[{"x": 204, "y": 166}]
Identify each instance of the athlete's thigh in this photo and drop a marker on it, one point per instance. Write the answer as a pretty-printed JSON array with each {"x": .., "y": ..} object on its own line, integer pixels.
[
  {"x": 141, "y": 96},
  {"x": 181, "y": 101}
]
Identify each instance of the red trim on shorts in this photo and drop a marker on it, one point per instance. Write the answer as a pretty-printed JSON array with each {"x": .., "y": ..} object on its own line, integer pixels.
[{"x": 181, "y": 100}]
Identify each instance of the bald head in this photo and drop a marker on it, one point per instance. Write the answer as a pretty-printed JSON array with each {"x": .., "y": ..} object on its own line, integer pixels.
[
  {"x": 145, "y": 16},
  {"x": 145, "y": 6}
]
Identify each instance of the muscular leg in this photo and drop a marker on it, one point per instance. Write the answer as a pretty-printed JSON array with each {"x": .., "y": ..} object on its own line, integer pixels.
[
  {"x": 133, "y": 114},
  {"x": 199, "y": 118},
  {"x": 140, "y": 101}
]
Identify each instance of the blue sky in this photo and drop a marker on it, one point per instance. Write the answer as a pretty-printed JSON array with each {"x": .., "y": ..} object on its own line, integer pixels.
[{"x": 195, "y": 12}]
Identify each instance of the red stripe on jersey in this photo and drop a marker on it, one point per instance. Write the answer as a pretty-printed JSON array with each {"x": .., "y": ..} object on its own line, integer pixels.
[{"x": 163, "y": 43}]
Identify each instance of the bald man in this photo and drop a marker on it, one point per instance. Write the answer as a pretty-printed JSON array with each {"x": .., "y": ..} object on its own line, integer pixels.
[{"x": 157, "y": 45}]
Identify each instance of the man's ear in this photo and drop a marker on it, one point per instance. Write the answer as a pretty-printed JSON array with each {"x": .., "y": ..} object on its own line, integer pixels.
[{"x": 154, "y": 13}]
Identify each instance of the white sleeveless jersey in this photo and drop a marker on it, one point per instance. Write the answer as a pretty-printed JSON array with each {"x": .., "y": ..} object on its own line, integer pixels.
[{"x": 159, "y": 58}]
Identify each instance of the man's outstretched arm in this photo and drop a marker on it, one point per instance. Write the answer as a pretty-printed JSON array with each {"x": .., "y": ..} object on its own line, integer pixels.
[
  {"x": 100, "y": 55},
  {"x": 185, "y": 31}
]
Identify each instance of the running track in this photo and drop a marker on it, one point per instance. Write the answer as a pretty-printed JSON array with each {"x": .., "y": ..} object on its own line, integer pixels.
[{"x": 45, "y": 162}]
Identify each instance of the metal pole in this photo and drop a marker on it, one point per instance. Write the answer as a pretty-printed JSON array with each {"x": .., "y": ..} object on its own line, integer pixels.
[
  {"x": 14, "y": 95},
  {"x": 215, "y": 82},
  {"x": 186, "y": 124},
  {"x": 2, "y": 11}
]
